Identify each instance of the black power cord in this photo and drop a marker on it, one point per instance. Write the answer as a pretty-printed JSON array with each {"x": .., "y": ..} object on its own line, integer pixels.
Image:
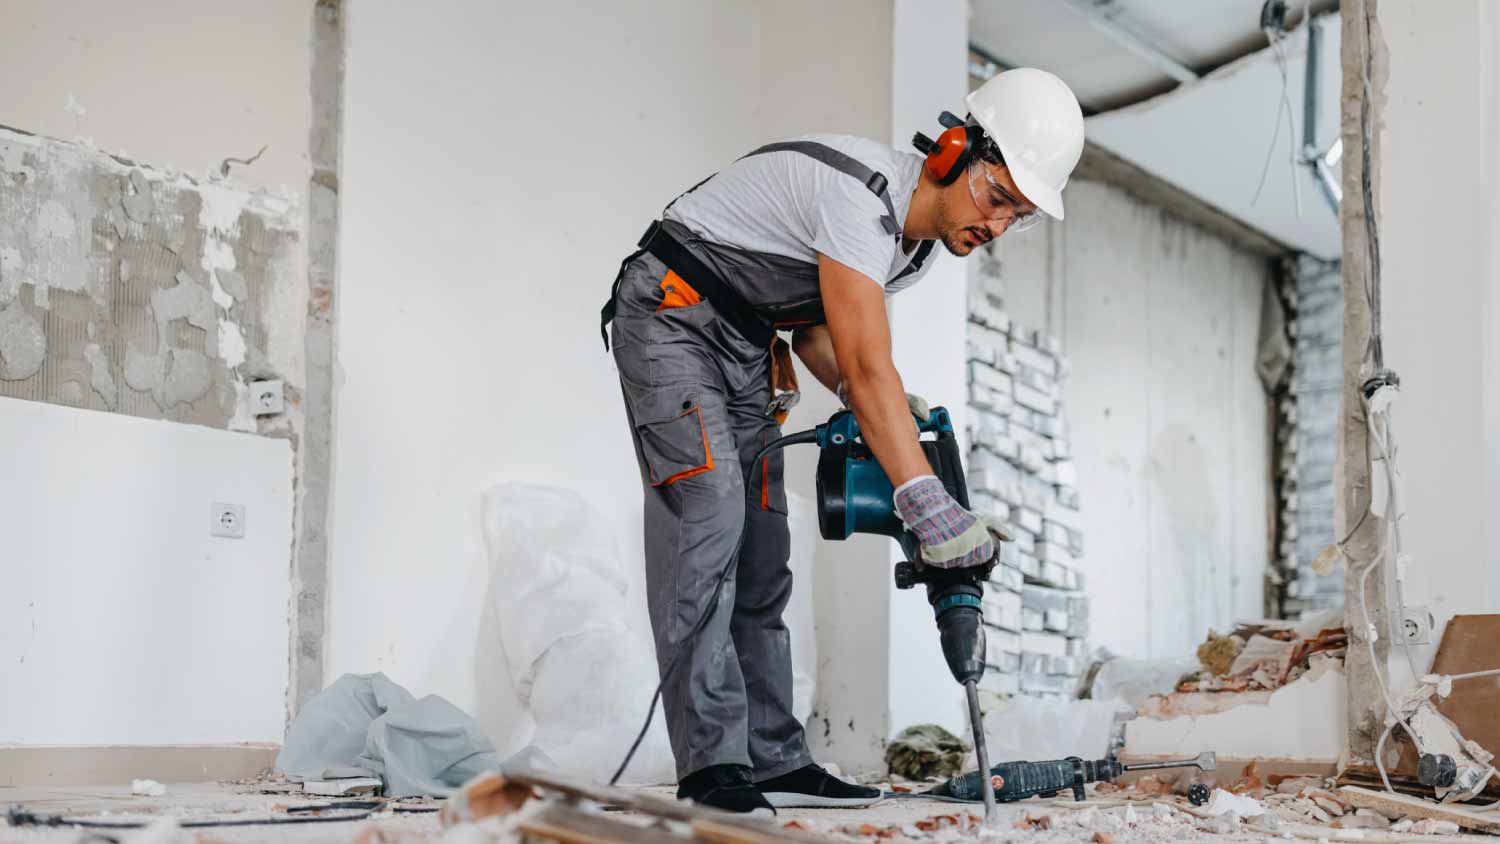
[
  {"x": 807, "y": 436},
  {"x": 18, "y": 816}
]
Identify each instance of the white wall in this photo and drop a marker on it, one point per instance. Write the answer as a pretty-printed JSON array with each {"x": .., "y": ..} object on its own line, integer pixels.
[
  {"x": 179, "y": 85},
  {"x": 188, "y": 637},
  {"x": 1441, "y": 280},
  {"x": 122, "y": 620},
  {"x": 1166, "y": 415},
  {"x": 499, "y": 161}
]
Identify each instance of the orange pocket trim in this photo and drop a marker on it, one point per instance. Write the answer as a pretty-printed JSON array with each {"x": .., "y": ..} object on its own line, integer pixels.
[
  {"x": 677, "y": 293},
  {"x": 765, "y": 482},
  {"x": 708, "y": 455}
]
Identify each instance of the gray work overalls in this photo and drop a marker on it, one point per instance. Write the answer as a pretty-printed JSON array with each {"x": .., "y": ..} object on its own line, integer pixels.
[{"x": 694, "y": 339}]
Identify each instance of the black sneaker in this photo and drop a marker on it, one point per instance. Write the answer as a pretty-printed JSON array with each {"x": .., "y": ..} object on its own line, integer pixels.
[
  {"x": 812, "y": 787},
  {"x": 726, "y": 787}
]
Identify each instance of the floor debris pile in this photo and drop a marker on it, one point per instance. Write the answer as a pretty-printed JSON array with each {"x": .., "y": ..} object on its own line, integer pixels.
[{"x": 926, "y": 751}]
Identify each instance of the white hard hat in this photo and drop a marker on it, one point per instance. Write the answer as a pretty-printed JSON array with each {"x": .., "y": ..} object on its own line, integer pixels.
[{"x": 1033, "y": 117}]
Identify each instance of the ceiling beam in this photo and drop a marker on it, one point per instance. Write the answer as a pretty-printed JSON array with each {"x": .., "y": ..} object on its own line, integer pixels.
[
  {"x": 1100, "y": 165},
  {"x": 1105, "y": 17}
]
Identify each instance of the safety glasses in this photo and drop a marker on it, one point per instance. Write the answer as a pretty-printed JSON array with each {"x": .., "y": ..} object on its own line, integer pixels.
[{"x": 997, "y": 203}]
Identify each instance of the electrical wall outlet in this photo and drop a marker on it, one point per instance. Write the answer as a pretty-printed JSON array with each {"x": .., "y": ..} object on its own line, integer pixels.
[
  {"x": 266, "y": 397},
  {"x": 1415, "y": 626},
  {"x": 227, "y": 520}
]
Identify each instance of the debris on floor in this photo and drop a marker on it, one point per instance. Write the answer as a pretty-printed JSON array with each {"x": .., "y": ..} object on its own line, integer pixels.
[
  {"x": 147, "y": 788},
  {"x": 341, "y": 787},
  {"x": 926, "y": 751}
]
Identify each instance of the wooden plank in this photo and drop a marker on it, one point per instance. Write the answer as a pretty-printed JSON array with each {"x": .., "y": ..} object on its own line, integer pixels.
[
  {"x": 1400, "y": 804},
  {"x": 651, "y": 804},
  {"x": 563, "y": 823},
  {"x": 1368, "y": 776},
  {"x": 721, "y": 833}
]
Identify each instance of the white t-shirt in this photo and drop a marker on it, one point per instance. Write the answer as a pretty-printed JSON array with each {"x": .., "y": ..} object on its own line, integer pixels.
[{"x": 789, "y": 204}]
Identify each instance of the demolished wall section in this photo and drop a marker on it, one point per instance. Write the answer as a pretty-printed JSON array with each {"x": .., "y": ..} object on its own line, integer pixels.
[{"x": 133, "y": 290}]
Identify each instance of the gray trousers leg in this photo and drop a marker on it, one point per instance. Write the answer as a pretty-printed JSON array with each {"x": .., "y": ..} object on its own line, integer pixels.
[{"x": 695, "y": 395}]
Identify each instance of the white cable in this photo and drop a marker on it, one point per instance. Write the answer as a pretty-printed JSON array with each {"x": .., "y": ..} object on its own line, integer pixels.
[
  {"x": 1385, "y": 439},
  {"x": 1381, "y": 438},
  {"x": 1273, "y": 38},
  {"x": 1291, "y": 130},
  {"x": 1471, "y": 675}
]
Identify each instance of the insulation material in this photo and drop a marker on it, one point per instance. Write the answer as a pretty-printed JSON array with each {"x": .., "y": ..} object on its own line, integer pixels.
[{"x": 132, "y": 290}]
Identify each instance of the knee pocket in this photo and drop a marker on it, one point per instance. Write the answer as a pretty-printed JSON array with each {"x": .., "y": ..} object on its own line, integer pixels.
[
  {"x": 682, "y": 435},
  {"x": 676, "y": 448}
]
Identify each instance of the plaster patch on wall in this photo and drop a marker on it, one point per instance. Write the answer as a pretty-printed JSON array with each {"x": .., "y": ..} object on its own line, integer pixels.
[
  {"x": 11, "y": 267},
  {"x": 150, "y": 291},
  {"x": 99, "y": 377},
  {"x": 23, "y": 346},
  {"x": 231, "y": 343}
]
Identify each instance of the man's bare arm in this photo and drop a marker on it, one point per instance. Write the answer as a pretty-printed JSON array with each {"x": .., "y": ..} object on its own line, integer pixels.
[
  {"x": 854, "y": 306},
  {"x": 814, "y": 346}
]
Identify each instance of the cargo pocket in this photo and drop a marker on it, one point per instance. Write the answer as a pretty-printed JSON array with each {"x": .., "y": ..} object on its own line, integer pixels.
[
  {"x": 770, "y": 481},
  {"x": 676, "y": 448}
]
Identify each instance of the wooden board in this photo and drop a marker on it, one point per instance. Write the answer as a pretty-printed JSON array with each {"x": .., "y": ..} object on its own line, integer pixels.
[
  {"x": 709, "y": 825},
  {"x": 1414, "y": 807},
  {"x": 1469, "y": 644},
  {"x": 567, "y": 825},
  {"x": 1367, "y": 776}
]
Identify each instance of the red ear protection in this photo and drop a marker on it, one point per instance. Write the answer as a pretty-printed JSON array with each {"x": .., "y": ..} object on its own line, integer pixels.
[{"x": 950, "y": 155}]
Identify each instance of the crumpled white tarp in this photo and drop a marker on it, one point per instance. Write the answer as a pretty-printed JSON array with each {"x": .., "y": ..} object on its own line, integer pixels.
[
  {"x": 364, "y": 725},
  {"x": 586, "y": 676},
  {"x": 802, "y": 524},
  {"x": 575, "y": 661}
]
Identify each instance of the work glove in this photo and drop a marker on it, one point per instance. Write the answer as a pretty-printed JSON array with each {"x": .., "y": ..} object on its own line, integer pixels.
[
  {"x": 920, "y": 409},
  {"x": 949, "y": 535}
]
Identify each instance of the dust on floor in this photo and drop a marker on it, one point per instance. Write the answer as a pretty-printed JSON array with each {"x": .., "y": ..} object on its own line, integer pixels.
[{"x": 1103, "y": 819}]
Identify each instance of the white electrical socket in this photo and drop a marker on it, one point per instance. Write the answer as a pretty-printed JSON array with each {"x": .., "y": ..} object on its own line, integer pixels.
[
  {"x": 266, "y": 397},
  {"x": 227, "y": 520},
  {"x": 1416, "y": 626}
]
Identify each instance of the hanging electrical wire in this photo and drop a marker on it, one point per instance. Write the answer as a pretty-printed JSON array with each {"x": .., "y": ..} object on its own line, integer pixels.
[{"x": 1273, "y": 24}]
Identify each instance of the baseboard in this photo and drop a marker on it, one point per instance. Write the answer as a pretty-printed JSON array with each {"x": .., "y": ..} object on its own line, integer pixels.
[{"x": 63, "y": 765}]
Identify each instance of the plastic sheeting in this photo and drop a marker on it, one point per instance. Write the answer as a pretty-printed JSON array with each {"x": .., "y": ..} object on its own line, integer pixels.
[
  {"x": 1035, "y": 728},
  {"x": 575, "y": 662},
  {"x": 1134, "y": 680},
  {"x": 802, "y": 523},
  {"x": 586, "y": 676},
  {"x": 365, "y": 725}
]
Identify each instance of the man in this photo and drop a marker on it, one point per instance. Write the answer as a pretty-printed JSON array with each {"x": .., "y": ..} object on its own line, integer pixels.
[{"x": 810, "y": 235}]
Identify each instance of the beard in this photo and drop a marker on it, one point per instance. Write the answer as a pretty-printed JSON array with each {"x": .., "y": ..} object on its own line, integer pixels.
[
  {"x": 963, "y": 241},
  {"x": 959, "y": 239}
]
